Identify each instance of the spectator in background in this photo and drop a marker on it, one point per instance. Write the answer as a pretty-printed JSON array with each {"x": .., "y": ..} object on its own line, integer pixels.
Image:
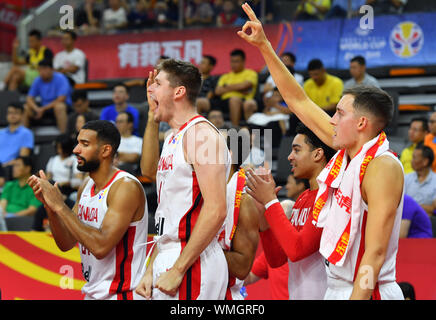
[
  {"x": 359, "y": 75},
  {"x": 167, "y": 13},
  {"x": 312, "y": 9},
  {"x": 323, "y": 89},
  {"x": 339, "y": 8},
  {"x": 81, "y": 107},
  {"x": 295, "y": 187},
  {"x": 387, "y": 6},
  {"x": 130, "y": 147},
  {"x": 408, "y": 290},
  {"x": 216, "y": 117},
  {"x": 17, "y": 197},
  {"x": 15, "y": 140},
  {"x": 55, "y": 92},
  {"x": 141, "y": 16},
  {"x": 430, "y": 138},
  {"x": 418, "y": 129},
  {"x": 199, "y": 13},
  {"x": 114, "y": 17},
  {"x": 415, "y": 222},
  {"x": 37, "y": 52},
  {"x": 237, "y": 88},
  {"x": 208, "y": 84},
  {"x": 256, "y": 5},
  {"x": 71, "y": 61},
  {"x": 88, "y": 18},
  {"x": 421, "y": 184},
  {"x": 227, "y": 16},
  {"x": 120, "y": 95}
]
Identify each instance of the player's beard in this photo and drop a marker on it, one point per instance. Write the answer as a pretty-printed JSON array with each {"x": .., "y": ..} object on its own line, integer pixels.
[{"x": 88, "y": 165}]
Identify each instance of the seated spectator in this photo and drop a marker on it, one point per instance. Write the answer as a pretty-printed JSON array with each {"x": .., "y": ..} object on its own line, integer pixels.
[
  {"x": 216, "y": 117},
  {"x": 312, "y": 9},
  {"x": 339, "y": 8},
  {"x": 81, "y": 106},
  {"x": 15, "y": 140},
  {"x": 37, "y": 52},
  {"x": 120, "y": 95},
  {"x": 208, "y": 84},
  {"x": 236, "y": 89},
  {"x": 359, "y": 75},
  {"x": 430, "y": 138},
  {"x": 415, "y": 222},
  {"x": 17, "y": 197},
  {"x": 228, "y": 15},
  {"x": 199, "y": 13},
  {"x": 418, "y": 129},
  {"x": 130, "y": 147},
  {"x": 141, "y": 16},
  {"x": 2, "y": 178},
  {"x": 114, "y": 17},
  {"x": 71, "y": 61},
  {"x": 55, "y": 92},
  {"x": 295, "y": 187},
  {"x": 387, "y": 6},
  {"x": 88, "y": 17},
  {"x": 166, "y": 13},
  {"x": 322, "y": 88},
  {"x": 421, "y": 184}
]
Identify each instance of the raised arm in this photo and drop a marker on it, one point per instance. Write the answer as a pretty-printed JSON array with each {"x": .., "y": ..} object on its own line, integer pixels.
[
  {"x": 293, "y": 94},
  {"x": 150, "y": 142}
]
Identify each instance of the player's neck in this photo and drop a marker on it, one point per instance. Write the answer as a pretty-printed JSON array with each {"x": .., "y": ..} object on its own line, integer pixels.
[
  {"x": 102, "y": 175},
  {"x": 313, "y": 184},
  {"x": 181, "y": 117}
]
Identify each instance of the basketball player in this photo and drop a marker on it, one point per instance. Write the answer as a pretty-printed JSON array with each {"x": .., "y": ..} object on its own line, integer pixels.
[
  {"x": 240, "y": 235},
  {"x": 109, "y": 220},
  {"x": 295, "y": 240},
  {"x": 191, "y": 177},
  {"x": 360, "y": 197}
]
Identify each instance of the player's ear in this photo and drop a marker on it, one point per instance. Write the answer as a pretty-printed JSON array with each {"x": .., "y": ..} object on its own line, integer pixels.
[
  {"x": 318, "y": 154},
  {"x": 107, "y": 151},
  {"x": 180, "y": 92}
]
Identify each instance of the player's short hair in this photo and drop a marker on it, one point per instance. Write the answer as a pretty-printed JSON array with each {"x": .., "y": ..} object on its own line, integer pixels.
[
  {"x": 427, "y": 153},
  {"x": 359, "y": 59},
  {"x": 315, "y": 64},
  {"x": 212, "y": 59},
  {"x": 107, "y": 133},
  {"x": 315, "y": 142},
  {"x": 374, "y": 101},
  {"x": 238, "y": 52},
  {"x": 182, "y": 73}
]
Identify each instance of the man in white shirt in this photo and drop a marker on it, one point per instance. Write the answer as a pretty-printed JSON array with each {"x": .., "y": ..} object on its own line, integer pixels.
[
  {"x": 114, "y": 17},
  {"x": 130, "y": 147},
  {"x": 71, "y": 61}
]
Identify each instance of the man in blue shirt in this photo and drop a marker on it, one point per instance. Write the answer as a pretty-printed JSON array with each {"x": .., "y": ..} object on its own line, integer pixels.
[
  {"x": 15, "y": 139},
  {"x": 421, "y": 184},
  {"x": 55, "y": 92},
  {"x": 120, "y": 96},
  {"x": 415, "y": 222}
]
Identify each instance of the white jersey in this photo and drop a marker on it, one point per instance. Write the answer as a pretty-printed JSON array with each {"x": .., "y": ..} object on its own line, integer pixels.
[
  {"x": 235, "y": 190},
  {"x": 348, "y": 271},
  {"x": 116, "y": 275}
]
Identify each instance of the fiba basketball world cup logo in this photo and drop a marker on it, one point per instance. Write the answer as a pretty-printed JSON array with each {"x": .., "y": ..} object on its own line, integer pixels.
[{"x": 406, "y": 39}]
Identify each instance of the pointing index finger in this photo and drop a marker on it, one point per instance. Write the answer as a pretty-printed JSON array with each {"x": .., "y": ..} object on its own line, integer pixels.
[{"x": 250, "y": 13}]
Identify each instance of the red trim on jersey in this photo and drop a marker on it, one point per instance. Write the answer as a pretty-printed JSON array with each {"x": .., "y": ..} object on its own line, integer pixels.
[
  {"x": 376, "y": 293},
  {"x": 231, "y": 283},
  {"x": 361, "y": 245},
  {"x": 185, "y": 124},
  {"x": 107, "y": 184},
  {"x": 190, "y": 286},
  {"x": 123, "y": 267}
]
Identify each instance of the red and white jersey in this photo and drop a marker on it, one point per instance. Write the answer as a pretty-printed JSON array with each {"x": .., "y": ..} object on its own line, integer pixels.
[
  {"x": 307, "y": 278},
  {"x": 117, "y": 274},
  {"x": 178, "y": 193},
  {"x": 348, "y": 271},
  {"x": 235, "y": 189}
]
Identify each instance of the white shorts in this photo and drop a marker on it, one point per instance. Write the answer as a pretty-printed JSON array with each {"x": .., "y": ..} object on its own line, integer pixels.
[
  {"x": 206, "y": 279},
  {"x": 133, "y": 296},
  {"x": 338, "y": 289}
]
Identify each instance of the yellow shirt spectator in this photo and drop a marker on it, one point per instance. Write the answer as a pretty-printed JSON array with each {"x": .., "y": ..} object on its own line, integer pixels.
[
  {"x": 328, "y": 93},
  {"x": 317, "y": 8},
  {"x": 235, "y": 78},
  {"x": 406, "y": 158}
]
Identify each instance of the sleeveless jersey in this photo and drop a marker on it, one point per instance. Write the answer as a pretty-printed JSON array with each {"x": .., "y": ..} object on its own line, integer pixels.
[
  {"x": 117, "y": 274},
  {"x": 178, "y": 193},
  {"x": 348, "y": 271},
  {"x": 235, "y": 189}
]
